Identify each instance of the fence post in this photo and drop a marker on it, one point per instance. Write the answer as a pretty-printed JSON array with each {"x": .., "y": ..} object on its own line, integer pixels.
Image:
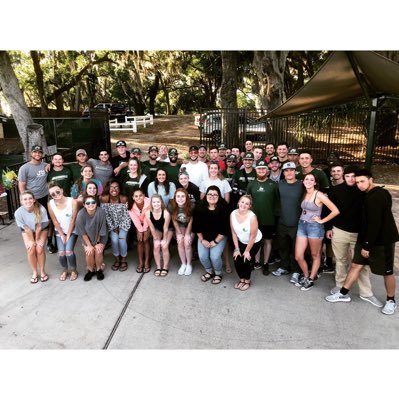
[{"x": 370, "y": 133}]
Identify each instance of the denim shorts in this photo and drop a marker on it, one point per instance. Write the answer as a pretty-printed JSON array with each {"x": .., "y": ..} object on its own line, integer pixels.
[{"x": 310, "y": 230}]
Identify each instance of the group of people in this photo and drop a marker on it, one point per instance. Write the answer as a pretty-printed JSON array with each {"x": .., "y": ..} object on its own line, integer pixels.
[{"x": 222, "y": 205}]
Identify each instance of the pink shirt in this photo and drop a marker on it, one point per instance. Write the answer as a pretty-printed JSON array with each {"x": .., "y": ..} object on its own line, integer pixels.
[{"x": 138, "y": 216}]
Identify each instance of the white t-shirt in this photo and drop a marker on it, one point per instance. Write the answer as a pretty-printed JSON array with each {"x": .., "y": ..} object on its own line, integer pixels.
[
  {"x": 197, "y": 172},
  {"x": 223, "y": 185}
]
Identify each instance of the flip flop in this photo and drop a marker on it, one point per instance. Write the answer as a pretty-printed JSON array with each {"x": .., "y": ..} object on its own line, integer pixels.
[
  {"x": 164, "y": 272},
  {"x": 63, "y": 276},
  {"x": 74, "y": 276},
  {"x": 34, "y": 280},
  {"x": 148, "y": 269},
  {"x": 44, "y": 278}
]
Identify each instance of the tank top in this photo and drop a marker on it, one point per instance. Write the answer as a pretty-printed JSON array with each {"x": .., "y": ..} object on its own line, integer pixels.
[
  {"x": 158, "y": 224},
  {"x": 63, "y": 216},
  {"x": 309, "y": 210},
  {"x": 243, "y": 230}
]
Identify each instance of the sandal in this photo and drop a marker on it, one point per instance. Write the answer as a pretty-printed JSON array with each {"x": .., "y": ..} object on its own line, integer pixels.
[
  {"x": 207, "y": 276},
  {"x": 157, "y": 272},
  {"x": 116, "y": 265},
  {"x": 217, "y": 279},
  {"x": 123, "y": 267},
  {"x": 44, "y": 278},
  {"x": 239, "y": 284},
  {"x": 74, "y": 276},
  {"x": 147, "y": 269},
  {"x": 34, "y": 280},
  {"x": 63, "y": 276},
  {"x": 245, "y": 286},
  {"x": 139, "y": 269},
  {"x": 164, "y": 272}
]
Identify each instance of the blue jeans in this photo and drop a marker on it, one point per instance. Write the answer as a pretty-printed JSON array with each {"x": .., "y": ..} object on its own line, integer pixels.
[
  {"x": 211, "y": 258},
  {"x": 118, "y": 242},
  {"x": 310, "y": 230},
  {"x": 67, "y": 260}
]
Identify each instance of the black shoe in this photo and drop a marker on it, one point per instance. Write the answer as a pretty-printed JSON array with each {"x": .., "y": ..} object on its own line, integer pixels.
[
  {"x": 100, "y": 275},
  {"x": 88, "y": 275},
  {"x": 257, "y": 266},
  {"x": 51, "y": 248},
  {"x": 265, "y": 269},
  {"x": 328, "y": 269},
  {"x": 272, "y": 260}
]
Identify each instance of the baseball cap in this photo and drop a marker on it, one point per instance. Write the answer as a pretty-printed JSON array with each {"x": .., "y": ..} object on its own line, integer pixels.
[
  {"x": 135, "y": 150},
  {"x": 120, "y": 143},
  {"x": 289, "y": 165},
  {"x": 153, "y": 148},
  {"x": 193, "y": 148},
  {"x": 249, "y": 155},
  {"x": 222, "y": 146},
  {"x": 202, "y": 146},
  {"x": 37, "y": 148},
  {"x": 173, "y": 151},
  {"x": 272, "y": 159},
  {"x": 231, "y": 157},
  {"x": 261, "y": 164},
  {"x": 81, "y": 151},
  {"x": 293, "y": 151}
]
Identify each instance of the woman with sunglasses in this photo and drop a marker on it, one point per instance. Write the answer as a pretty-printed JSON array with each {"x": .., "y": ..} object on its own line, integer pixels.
[
  {"x": 92, "y": 227},
  {"x": 211, "y": 224},
  {"x": 118, "y": 222},
  {"x": 63, "y": 211},
  {"x": 158, "y": 219},
  {"x": 31, "y": 217}
]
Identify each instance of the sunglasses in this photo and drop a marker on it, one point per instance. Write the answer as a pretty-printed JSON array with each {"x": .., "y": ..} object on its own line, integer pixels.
[
  {"x": 55, "y": 193},
  {"x": 90, "y": 202}
]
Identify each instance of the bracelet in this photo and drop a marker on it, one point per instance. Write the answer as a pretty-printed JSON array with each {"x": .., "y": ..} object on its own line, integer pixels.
[{"x": 215, "y": 242}]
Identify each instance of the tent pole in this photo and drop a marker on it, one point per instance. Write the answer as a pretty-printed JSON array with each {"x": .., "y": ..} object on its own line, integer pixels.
[{"x": 370, "y": 133}]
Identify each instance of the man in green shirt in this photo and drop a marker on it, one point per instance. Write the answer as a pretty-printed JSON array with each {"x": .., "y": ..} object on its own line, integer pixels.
[
  {"x": 305, "y": 167},
  {"x": 172, "y": 168},
  {"x": 61, "y": 174},
  {"x": 265, "y": 203},
  {"x": 76, "y": 167}
]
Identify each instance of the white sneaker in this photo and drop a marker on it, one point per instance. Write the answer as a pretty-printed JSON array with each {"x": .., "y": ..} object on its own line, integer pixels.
[
  {"x": 188, "y": 270},
  {"x": 181, "y": 270},
  {"x": 280, "y": 272},
  {"x": 373, "y": 300},
  {"x": 335, "y": 290},
  {"x": 390, "y": 307},
  {"x": 338, "y": 297},
  {"x": 295, "y": 278}
]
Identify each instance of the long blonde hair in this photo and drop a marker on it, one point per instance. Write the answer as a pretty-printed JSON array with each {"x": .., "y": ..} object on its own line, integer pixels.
[{"x": 36, "y": 206}]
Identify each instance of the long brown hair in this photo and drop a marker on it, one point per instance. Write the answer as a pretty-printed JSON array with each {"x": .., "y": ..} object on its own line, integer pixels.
[
  {"x": 187, "y": 205},
  {"x": 36, "y": 206}
]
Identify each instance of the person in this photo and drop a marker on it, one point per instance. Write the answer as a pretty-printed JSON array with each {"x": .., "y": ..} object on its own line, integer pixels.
[
  {"x": 258, "y": 154},
  {"x": 92, "y": 189},
  {"x": 31, "y": 217},
  {"x": 311, "y": 230},
  {"x": 293, "y": 156},
  {"x": 60, "y": 173},
  {"x": 343, "y": 231},
  {"x": 192, "y": 190},
  {"x": 282, "y": 152},
  {"x": 183, "y": 224},
  {"x": 136, "y": 153},
  {"x": 118, "y": 222},
  {"x": 275, "y": 169},
  {"x": 76, "y": 167},
  {"x": 243, "y": 177},
  {"x": 102, "y": 168},
  {"x": 78, "y": 190},
  {"x": 246, "y": 238},
  {"x": 32, "y": 176},
  {"x": 375, "y": 244},
  {"x": 236, "y": 151},
  {"x": 173, "y": 168},
  {"x": 211, "y": 224},
  {"x": 158, "y": 219},
  {"x": 264, "y": 194},
  {"x": 134, "y": 178},
  {"x": 138, "y": 205},
  {"x": 163, "y": 154},
  {"x": 305, "y": 162},
  {"x": 63, "y": 212},
  {"x": 152, "y": 164},
  {"x": 337, "y": 174},
  {"x": 202, "y": 153},
  {"x": 270, "y": 152},
  {"x": 198, "y": 171},
  {"x": 222, "y": 153},
  {"x": 91, "y": 226},
  {"x": 162, "y": 186},
  {"x": 214, "y": 158},
  {"x": 120, "y": 161},
  {"x": 290, "y": 193},
  {"x": 215, "y": 178},
  {"x": 228, "y": 173}
]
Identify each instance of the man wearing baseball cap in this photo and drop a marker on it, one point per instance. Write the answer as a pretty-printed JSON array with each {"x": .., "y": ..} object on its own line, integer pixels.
[
  {"x": 293, "y": 156},
  {"x": 76, "y": 167},
  {"x": 264, "y": 194},
  {"x": 152, "y": 164},
  {"x": 243, "y": 177},
  {"x": 202, "y": 153},
  {"x": 120, "y": 161},
  {"x": 172, "y": 168}
]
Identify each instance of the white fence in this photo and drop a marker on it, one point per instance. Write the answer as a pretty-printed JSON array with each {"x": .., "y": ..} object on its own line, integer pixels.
[{"x": 131, "y": 122}]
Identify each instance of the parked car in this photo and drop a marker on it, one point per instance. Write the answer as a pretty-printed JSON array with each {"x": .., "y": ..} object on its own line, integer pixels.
[{"x": 116, "y": 110}]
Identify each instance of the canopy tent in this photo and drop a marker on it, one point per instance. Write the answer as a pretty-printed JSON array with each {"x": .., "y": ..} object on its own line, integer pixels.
[{"x": 345, "y": 76}]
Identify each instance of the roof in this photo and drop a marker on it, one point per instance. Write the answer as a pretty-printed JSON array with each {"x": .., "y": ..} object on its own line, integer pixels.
[{"x": 345, "y": 76}]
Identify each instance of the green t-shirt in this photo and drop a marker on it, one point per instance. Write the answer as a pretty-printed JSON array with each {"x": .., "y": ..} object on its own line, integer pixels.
[
  {"x": 321, "y": 177},
  {"x": 173, "y": 172},
  {"x": 63, "y": 178},
  {"x": 76, "y": 170},
  {"x": 265, "y": 199},
  {"x": 240, "y": 181}
]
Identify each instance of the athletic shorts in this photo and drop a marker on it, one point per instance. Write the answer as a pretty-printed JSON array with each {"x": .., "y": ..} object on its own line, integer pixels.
[
  {"x": 310, "y": 230},
  {"x": 268, "y": 231},
  {"x": 380, "y": 260}
]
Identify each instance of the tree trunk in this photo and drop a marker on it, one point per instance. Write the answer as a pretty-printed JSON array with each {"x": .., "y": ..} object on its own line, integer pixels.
[
  {"x": 35, "y": 135},
  {"x": 40, "y": 82},
  {"x": 228, "y": 97},
  {"x": 16, "y": 101},
  {"x": 153, "y": 91},
  {"x": 269, "y": 67}
]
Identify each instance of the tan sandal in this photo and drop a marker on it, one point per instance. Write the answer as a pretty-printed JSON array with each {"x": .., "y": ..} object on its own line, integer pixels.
[
  {"x": 63, "y": 276},
  {"x": 74, "y": 276}
]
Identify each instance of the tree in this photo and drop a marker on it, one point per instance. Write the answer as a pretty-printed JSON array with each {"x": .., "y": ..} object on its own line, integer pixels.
[{"x": 22, "y": 117}]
